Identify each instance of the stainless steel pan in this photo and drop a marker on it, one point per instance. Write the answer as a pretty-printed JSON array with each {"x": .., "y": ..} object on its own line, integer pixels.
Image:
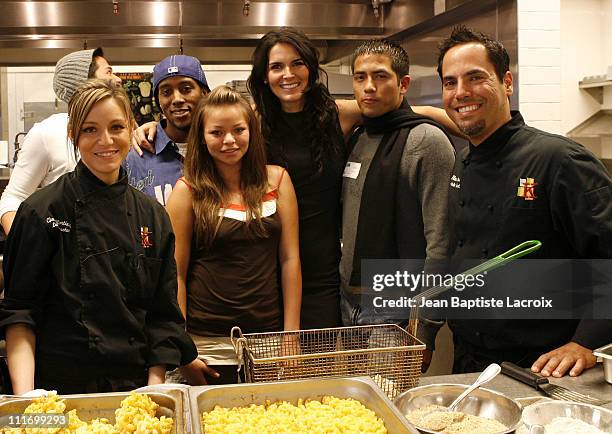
[{"x": 363, "y": 389}]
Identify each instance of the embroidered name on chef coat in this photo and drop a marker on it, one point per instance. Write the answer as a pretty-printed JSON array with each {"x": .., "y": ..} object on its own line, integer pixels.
[
  {"x": 455, "y": 181},
  {"x": 62, "y": 225}
]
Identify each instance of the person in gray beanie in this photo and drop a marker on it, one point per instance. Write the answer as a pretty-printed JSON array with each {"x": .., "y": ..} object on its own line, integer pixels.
[
  {"x": 75, "y": 68},
  {"x": 46, "y": 154},
  {"x": 179, "y": 83}
]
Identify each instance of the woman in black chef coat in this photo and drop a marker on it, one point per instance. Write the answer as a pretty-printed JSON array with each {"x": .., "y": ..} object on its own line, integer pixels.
[{"x": 89, "y": 265}]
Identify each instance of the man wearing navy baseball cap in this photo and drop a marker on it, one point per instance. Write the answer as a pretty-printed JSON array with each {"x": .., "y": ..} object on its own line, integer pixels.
[{"x": 178, "y": 85}]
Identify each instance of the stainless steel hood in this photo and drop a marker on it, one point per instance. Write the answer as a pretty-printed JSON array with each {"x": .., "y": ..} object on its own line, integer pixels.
[{"x": 39, "y": 32}]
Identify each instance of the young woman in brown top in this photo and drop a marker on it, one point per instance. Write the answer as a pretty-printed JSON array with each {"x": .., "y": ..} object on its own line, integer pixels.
[{"x": 236, "y": 226}]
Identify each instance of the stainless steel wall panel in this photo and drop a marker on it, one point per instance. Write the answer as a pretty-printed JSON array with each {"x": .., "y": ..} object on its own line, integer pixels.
[
  {"x": 498, "y": 19},
  {"x": 403, "y": 14}
]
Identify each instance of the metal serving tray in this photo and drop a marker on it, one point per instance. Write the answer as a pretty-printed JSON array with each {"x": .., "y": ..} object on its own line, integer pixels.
[
  {"x": 605, "y": 353},
  {"x": 180, "y": 392},
  {"x": 95, "y": 405},
  {"x": 363, "y": 389}
]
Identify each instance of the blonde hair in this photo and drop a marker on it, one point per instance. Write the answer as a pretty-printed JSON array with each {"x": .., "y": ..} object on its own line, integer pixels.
[
  {"x": 86, "y": 97},
  {"x": 208, "y": 189}
]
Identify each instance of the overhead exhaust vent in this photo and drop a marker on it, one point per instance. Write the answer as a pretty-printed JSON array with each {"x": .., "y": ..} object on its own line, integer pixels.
[{"x": 376, "y": 6}]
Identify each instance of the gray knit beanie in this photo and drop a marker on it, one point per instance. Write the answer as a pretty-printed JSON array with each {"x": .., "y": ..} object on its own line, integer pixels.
[{"x": 71, "y": 71}]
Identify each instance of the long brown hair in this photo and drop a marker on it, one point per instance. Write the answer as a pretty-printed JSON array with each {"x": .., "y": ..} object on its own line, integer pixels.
[{"x": 208, "y": 189}]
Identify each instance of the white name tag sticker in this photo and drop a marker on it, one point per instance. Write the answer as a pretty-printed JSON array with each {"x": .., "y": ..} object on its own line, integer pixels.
[{"x": 351, "y": 170}]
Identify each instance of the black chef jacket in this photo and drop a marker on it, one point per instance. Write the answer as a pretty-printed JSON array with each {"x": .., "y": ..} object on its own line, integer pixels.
[
  {"x": 571, "y": 215},
  {"x": 90, "y": 267}
]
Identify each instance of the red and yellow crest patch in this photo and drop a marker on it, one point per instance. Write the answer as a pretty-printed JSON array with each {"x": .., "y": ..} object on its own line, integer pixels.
[
  {"x": 526, "y": 189},
  {"x": 145, "y": 237}
]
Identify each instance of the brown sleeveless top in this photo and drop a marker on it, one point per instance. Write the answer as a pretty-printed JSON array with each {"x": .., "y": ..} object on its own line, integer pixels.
[{"x": 235, "y": 282}]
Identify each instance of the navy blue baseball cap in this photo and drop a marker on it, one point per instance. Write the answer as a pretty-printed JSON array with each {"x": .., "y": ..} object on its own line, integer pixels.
[{"x": 186, "y": 66}]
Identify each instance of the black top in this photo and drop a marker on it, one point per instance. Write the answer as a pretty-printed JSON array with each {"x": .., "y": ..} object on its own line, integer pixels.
[
  {"x": 318, "y": 197},
  {"x": 565, "y": 202},
  {"x": 90, "y": 267}
]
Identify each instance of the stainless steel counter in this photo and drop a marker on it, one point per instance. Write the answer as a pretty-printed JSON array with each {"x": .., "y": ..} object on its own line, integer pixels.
[{"x": 591, "y": 382}]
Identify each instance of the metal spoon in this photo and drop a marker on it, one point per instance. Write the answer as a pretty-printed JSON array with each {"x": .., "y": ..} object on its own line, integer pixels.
[{"x": 487, "y": 375}]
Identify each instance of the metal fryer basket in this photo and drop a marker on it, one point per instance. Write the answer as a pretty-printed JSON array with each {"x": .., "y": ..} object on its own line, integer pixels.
[{"x": 387, "y": 353}]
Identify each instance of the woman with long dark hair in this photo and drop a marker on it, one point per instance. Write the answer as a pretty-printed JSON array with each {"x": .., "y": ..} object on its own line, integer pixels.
[{"x": 301, "y": 124}]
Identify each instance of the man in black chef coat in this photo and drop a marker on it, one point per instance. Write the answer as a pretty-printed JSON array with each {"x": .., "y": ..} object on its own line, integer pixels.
[{"x": 565, "y": 202}]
